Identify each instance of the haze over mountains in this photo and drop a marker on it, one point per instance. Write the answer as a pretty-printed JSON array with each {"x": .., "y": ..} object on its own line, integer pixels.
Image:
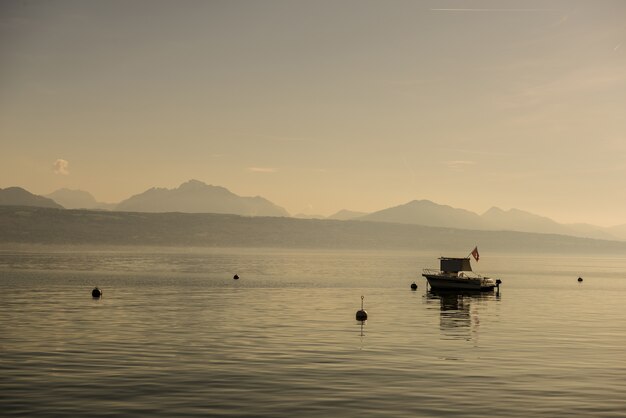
[
  {"x": 78, "y": 199},
  {"x": 21, "y": 227},
  {"x": 197, "y": 197},
  {"x": 16, "y": 196},
  {"x": 345, "y": 214},
  {"x": 427, "y": 213}
]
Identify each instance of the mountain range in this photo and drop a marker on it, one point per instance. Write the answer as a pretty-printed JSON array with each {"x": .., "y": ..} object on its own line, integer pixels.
[
  {"x": 78, "y": 199},
  {"x": 427, "y": 213},
  {"x": 197, "y": 197},
  {"x": 21, "y": 227},
  {"x": 16, "y": 196},
  {"x": 345, "y": 215}
]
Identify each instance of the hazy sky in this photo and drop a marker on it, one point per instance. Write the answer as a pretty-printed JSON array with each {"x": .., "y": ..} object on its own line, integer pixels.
[{"x": 322, "y": 105}]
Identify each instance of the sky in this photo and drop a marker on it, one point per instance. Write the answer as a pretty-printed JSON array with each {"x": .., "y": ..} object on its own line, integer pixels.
[{"x": 322, "y": 105}]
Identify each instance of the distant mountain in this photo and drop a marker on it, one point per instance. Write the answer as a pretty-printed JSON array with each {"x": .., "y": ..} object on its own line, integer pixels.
[
  {"x": 519, "y": 220},
  {"x": 594, "y": 231},
  {"x": 427, "y": 213},
  {"x": 618, "y": 231},
  {"x": 16, "y": 196},
  {"x": 307, "y": 216},
  {"x": 46, "y": 226},
  {"x": 197, "y": 197},
  {"x": 78, "y": 199},
  {"x": 344, "y": 215}
]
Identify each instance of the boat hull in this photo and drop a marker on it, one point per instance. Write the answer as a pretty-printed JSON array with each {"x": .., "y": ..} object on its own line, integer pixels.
[{"x": 440, "y": 282}]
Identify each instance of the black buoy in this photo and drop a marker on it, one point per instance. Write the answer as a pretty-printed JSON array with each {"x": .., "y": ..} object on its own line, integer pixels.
[
  {"x": 96, "y": 293},
  {"x": 236, "y": 277},
  {"x": 362, "y": 314},
  {"x": 580, "y": 279},
  {"x": 413, "y": 286}
]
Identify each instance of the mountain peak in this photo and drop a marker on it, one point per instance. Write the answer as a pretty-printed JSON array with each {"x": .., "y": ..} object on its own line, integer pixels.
[
  {"x": 428, "y": 213},
  {"x": 493, "y": 211},
  {"x": 78, "y": 199},
  {"x": 423, "y": 202},
  {"x": 195, "y": 196},
  {"x": 345, "y": 214},
  {"x": 17, "y": 196},
  {"x": 193, "y": 184}
]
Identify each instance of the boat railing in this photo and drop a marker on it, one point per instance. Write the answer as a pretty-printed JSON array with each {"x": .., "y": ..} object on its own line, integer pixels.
[
  {"x": 460, "y": 275},
  {"x": 470, "y": 275}
]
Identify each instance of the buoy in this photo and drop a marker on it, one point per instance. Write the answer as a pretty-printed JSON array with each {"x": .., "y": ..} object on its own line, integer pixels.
[
  {"x": 236, "y": 277},
  {"x": 414, "y": 286},
  {"x": 362, "y": 314},
  {"x": 96, "y": 293},
  {"x": 580, "y": 279}
]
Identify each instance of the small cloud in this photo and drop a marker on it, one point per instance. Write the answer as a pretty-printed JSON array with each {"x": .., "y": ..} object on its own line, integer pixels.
[
  {"x": 263, "y": 169},
  {"x": 458, "y": 164},
  {"x": 618, "y": 46},
  {"x": 280, "y": 138},
  {"x": 61, "y": 167},
  {"x": 492, "y": 10}
]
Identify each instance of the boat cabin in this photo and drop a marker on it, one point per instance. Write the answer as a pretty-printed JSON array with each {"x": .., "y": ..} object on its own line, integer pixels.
[{"x": 454, "y": 265}]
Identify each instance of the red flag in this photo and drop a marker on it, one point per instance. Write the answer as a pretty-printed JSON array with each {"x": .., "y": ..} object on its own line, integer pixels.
[{"x": 475, "y": 253}]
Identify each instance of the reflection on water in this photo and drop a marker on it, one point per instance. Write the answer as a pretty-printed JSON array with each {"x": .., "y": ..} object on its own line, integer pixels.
[
  {"x": 459, "y": 314},
  {"x": 175, "y": 335}
]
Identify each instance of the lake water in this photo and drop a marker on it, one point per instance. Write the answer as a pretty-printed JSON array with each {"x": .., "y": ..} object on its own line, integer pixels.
[{"x": 175, "y": 335}]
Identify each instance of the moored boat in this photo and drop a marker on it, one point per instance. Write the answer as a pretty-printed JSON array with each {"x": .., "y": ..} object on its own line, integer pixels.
[{"x": 457, "y": 274}]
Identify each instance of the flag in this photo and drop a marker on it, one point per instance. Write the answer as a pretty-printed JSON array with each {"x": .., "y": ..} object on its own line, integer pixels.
[{"x": 475, "y": 253}]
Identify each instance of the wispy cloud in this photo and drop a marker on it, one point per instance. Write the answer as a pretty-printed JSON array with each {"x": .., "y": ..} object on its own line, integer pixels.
[
  {"x": 61, "y": 167},
  {"x": 417, "y": 82},
  {"x": 492, "y": 10},
  {"x": 459, "y": 164},
  {"x": 263, "y": 169},
  {"x": 579, "y": 82},
  {"x": 553, "y": 88},
  {"x": 474, "y": 152},
  {"x": 280, "y": 138}
]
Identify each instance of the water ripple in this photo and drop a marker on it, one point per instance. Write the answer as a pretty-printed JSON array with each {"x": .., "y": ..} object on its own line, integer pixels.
[{"x": 174, "y": 335}]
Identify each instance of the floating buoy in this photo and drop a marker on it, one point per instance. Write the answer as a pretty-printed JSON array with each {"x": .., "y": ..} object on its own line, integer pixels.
[
  {"x": 413, "y": 286},
  {"x": 96, "y": 293},
  {"x": 580, "y": 279},
  {"x": 362, "y": 314},
  {"x": 236, "y": 277}
]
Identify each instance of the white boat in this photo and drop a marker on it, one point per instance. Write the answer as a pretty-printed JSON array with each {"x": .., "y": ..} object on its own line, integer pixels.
[{"x": 456, "y": 274}]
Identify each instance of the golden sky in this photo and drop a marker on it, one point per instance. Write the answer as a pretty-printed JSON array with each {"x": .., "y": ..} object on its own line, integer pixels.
[{"x": 322, "y": 105}]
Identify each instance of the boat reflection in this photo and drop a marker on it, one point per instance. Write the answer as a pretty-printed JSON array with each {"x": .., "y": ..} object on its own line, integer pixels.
[{"x": 459, "y": 311}]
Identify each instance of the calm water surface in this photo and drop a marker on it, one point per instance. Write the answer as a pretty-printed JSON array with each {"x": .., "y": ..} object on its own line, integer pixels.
[{"x": 175, "y": 335}]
